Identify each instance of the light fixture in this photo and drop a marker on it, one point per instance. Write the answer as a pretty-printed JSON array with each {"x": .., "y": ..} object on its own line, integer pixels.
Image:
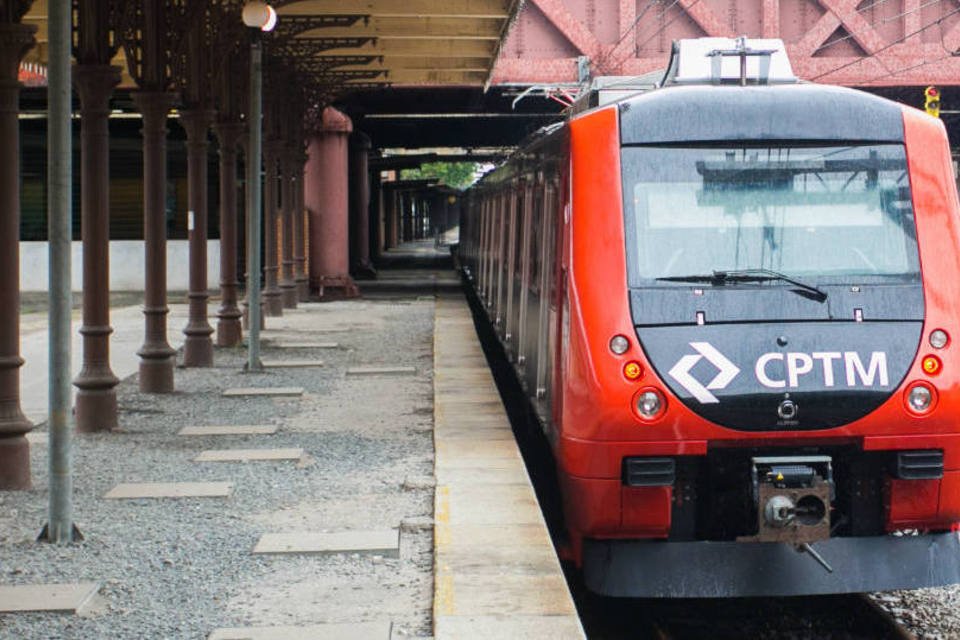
[
  {"x": 619, "y": 345},
  {"x": 921, "y": 398},
  {"x": 939, "y": 339},
  {"x": 649, "y": 404},
  {"x": 259, "y": 15}
]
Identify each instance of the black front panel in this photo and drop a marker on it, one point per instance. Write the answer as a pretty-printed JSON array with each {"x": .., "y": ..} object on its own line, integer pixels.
[
  {"x": 783, "y": 375},
  {"x": 752, "y": 303}
]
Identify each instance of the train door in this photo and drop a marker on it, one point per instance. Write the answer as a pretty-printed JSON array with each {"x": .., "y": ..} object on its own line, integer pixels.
[
  {"x": 547, "y": 316},
  {"x": 484, "y": 252},
  {"x": 529, "y": 293}
]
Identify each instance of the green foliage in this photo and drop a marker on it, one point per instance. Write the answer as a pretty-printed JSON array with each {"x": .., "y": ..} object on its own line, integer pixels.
[{"x": 458, "y": 175}]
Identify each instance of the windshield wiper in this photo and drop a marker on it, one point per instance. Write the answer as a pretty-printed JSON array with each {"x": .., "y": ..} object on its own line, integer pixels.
[{"x": 720, "y": 278}]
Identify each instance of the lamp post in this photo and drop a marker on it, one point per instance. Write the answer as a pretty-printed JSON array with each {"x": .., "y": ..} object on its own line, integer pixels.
[{"x": 259, "y": 17}]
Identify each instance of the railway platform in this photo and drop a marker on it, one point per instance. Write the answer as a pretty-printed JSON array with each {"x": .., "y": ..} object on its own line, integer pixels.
[{"x": 364, "y": 486}]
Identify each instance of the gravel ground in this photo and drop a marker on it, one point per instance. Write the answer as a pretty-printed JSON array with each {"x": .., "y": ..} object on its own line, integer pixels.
[{"x": 180, "y": 568}]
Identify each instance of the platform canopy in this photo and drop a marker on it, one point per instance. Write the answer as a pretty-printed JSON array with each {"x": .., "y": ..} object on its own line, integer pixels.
[{"x": 366, "y": 42}]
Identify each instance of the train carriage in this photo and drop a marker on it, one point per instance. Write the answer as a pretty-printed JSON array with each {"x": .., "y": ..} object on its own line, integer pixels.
[{"x": 732, "y": 301}]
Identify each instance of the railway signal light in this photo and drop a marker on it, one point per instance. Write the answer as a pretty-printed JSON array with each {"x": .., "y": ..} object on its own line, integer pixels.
[{"x": 931, "y": 103}]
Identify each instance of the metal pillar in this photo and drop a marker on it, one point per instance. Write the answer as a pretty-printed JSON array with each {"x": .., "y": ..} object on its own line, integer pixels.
[
  {"x": 253, "y": 201},
  {"x": 59, "y": 528},
  {"x": 156, "y": 355},
  {"x": 325, "y": 182},
  {"x": 272, "y": 297},
  {"x": 249, "y": 244},
  {"x": 96, "y": 404},
  {"x": 300, "y": 229},
  {"x": 288, "y": 286},
  {"x": 197, "y": 346},
  {"x": 229, "y": 330},
  {"x": 15, "y": 40}
]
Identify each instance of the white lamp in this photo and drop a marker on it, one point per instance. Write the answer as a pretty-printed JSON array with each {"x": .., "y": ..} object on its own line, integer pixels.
[{"x": 259, "y": 15}]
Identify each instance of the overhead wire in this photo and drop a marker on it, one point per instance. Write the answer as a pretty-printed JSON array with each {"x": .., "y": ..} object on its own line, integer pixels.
[
  {"x": 873, "y": 24},
  {"x": 888, "y": 45}
]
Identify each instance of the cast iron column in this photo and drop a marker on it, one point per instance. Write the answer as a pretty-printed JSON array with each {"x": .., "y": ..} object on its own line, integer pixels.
[
  {"x": 15, "y": 40},
  {"x": 272, "y": 298},
  {"x": 229, "y": 331},
  {"x": 360, "y": 206},
  {"x": 197, "y": 346},
  {"x": 375, "y": 244},
  {"x": 389, "y": 221},
  {"x": 156, "y": 355},
  {"x": 96, "y": 403},
  {"x": 288, "y": 287},
  {"x": 299, "y": 229}
]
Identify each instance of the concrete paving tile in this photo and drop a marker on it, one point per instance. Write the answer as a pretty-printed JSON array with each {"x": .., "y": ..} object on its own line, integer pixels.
[
  {"x": 248, "y": 455},
  {"x": 471, "y": 432},
  {"x": 462, "y": 449},
  {"x": 349, "y": 631},
  {"x": 304, "y": 345},
  {"x": 384, "y": 542},
  {"x": 41, "y": 438},
  {"x": 229, "y": 430},
  {"x": 473, "y": 594},
  {"x": 242, "y": 392},
  {"x": 46, "y": 597},
  {"x": 481, "y": 475},
  {"x": 291, "y": 364},
  {"x": 371, "y": 371},
  {"x": 504, "y": 627},
  {"x": 493, "y": 504},
  {"x": 170, "y": 490}
]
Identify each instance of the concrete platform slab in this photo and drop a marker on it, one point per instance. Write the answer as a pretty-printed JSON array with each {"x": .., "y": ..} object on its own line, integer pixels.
[
  {"x": 46, "y": 597},
  {"x": 384, "y": 542},
  {"x": 229, "y": 430},
  {"x": 493, "y": 504},
  {"x": 513, "y": 627},
  {"x": 291, "y": 364},
  {"x": 373, "y": 371},
  {"x": 305, "y": 345},
  {"x": 248, "y": 455},
  {"x": 170, "y": 490},
  {"x": 481, "y": 475},
  {"x": 464, "y": 449},
  {"x": 252, "y": 392},
  {"x": 354, "y": 631},
  {"x": 497, "y": 575},
  {"x": 41, "y": 438},
  {"x": 499, "y": 594}
]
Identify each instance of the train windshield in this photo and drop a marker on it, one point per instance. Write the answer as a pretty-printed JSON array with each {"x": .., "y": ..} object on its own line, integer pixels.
[{"x": 829, "y": 214}]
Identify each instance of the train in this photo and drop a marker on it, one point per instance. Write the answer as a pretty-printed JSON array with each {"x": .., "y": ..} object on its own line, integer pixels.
[{"x": 732, "y": 299}]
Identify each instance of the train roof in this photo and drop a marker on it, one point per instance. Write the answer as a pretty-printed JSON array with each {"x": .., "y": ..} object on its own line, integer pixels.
[{"x": 789, "y": 112}]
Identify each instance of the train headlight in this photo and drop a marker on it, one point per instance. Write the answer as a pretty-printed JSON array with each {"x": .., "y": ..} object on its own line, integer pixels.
[
  {"x": 650, "y": 404},
  {"x": 619, "y": 345},
  {"x": 921, "y": 398},
  {"x": 939, "y": 339}
]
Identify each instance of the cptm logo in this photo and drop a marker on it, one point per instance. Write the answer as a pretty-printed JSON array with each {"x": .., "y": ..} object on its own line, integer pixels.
[
  {"x": 726, "y": 372},
  {"x": 781, "y": 370}
]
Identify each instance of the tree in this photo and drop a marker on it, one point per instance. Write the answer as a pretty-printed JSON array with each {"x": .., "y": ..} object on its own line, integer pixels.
[{"x": 458, "y": 175}]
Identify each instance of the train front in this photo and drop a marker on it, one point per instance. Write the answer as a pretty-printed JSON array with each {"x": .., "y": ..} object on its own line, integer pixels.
[{"x": 760, "y": 384}]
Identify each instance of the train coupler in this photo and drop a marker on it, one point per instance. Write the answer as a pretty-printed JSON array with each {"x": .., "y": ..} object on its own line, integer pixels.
[{"x": 792, "y": 497}]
